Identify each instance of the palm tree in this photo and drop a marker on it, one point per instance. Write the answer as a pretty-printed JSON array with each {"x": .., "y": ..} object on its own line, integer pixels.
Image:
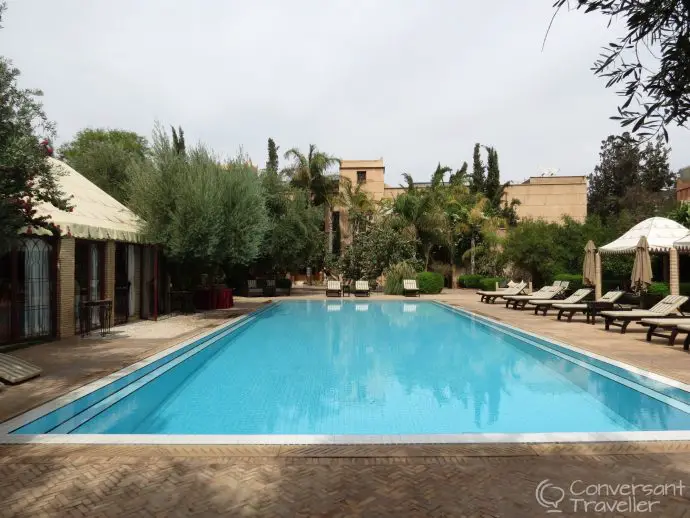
[
  {"x": 310, "y": 172},
  {"x": 420, "y": 211},
  {"x": 359, "y": 205}
]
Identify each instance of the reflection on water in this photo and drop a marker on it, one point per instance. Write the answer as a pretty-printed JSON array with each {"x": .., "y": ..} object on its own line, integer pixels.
[
  {"x": 409, "y": 308},
  {"x": 307, "y": 367}
]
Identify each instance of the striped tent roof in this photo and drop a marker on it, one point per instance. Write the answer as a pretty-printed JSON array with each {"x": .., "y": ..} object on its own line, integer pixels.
[{"x": 96, "y": 214}]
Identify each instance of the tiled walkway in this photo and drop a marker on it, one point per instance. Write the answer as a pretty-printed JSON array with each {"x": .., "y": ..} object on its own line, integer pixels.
[{"x": 462, "y": 480}]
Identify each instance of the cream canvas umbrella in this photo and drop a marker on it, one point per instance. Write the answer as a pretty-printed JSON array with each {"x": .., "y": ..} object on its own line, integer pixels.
[
  {"x": 642, "y": 267},
  {"x": 589, "y": 274}
]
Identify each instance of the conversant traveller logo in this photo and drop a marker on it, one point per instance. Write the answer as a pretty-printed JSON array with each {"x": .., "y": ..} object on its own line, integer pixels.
[
  {"x": 549, "y": 496},
  {"x": 587, "y": 497}
]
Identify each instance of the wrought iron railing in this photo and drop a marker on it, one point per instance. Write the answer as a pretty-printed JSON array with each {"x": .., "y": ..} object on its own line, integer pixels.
[{"x": 95, "y": 314}]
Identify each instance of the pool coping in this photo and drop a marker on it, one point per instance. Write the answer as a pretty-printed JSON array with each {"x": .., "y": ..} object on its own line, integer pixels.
[{"x": 319, "y": 439}]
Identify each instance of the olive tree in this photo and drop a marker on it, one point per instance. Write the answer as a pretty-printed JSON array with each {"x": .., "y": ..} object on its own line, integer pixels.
[{"x": 204, "y": 213}]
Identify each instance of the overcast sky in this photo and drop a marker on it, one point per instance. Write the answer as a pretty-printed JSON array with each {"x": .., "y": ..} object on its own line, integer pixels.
[{"x": 413, "y": 81}]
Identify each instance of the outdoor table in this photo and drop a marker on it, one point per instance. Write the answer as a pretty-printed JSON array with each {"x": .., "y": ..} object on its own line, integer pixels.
[
  {"x": 104, "y": 309},
  {"x": 595, "y": 308},
  {"x": 346, "y": 288},
  {"x": 182, "y": 300}
]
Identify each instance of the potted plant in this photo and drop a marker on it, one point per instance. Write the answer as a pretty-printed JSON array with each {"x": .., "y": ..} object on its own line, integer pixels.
[{"x": 653, "y": 294}]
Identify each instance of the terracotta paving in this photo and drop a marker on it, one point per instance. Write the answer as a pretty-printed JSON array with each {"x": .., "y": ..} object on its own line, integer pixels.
[
  {"x": 426, "y": 480},
  {"x": 631, "y": 347}
]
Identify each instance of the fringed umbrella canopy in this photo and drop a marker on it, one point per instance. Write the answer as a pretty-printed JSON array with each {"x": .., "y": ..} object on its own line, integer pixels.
[
  {"x": 642, "y": 267},
  {"x": 589, "y": 265}
]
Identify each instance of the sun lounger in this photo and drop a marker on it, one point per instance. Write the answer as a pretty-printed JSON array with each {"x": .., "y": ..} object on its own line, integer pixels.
[
  {"x": 361, "y": 288},
  {"x": 607, "y": 302},
  {"x": 563, "y": 284},
  {"x": 253, "y": 289},
  {"x": 669, "y": 324},
  {"x": 14, "y": 370},
  {"x": 410, "y": 287},
  {"x": 545, "y": 305},
  {"x": 490, "y": 297},
  {"x": 685, "y": 329},
  {"x": 545, "y": 293},
  {"x": 666, "y": 308},
  {"x": 541, "y": 291},
  {"x": 334, "y": 289}
]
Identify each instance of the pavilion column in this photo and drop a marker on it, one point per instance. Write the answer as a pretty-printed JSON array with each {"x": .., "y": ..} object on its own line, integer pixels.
[
  {"x": 66, "y": 303},
  {"x": 597, "y": 270},
  {"x": 673, "y": 266}
]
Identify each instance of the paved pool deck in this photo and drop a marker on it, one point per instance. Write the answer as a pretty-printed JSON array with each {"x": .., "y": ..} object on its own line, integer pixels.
[{"x": 432, "y": 480}]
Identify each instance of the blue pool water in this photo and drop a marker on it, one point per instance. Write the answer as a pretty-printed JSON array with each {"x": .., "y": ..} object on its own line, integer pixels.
[{"x": 360, "y": 367}]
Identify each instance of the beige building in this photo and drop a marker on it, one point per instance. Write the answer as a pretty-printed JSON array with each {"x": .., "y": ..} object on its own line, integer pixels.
[
  {"x": 369, "y": 174},
  {"x": 550, "y": 197},
  {"x": 545, "y": 197}
]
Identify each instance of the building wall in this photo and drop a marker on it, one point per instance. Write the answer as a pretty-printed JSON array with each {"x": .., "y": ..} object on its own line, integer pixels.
[
  {"x": 550, "y": 198},
  {"x": 373, "y": 185},
  {"x": 374, "y": 170},
  {"x": 390, "y": 193},
  {"x": 66, "y": 299},
  {"x": 683, "y": 190}
]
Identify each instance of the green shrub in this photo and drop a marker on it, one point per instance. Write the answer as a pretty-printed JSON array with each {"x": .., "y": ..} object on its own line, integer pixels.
[
  {"x": 395, "y": 275},
  {"x": 470, "y": 281},
  {"x": 489, "y": 283},
  {"x": 659, "y": 288},
  {"x": 430, "y": 282},
  {"x": 283, "y": 284},
  {"x": 575, "y": 280},
  {"x": 684, "y": 288}
]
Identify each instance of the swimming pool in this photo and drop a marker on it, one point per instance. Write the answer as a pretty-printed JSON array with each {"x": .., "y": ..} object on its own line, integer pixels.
[{"x": 365, "y": 371}]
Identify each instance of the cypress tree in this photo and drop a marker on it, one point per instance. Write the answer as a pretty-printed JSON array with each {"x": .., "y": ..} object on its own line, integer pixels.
[
  {"x": 492, "y": 188},
  {"x": 272, "y": 163},
  {"x": 478, "y": 178}
]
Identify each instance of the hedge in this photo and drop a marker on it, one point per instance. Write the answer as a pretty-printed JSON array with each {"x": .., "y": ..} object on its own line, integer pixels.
[
  {"x": 470, "y": 281},
  {"x": 430, "y": 282},
  {"x": 489, "y": 283},
  {"x": 659, "y": 288}
]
